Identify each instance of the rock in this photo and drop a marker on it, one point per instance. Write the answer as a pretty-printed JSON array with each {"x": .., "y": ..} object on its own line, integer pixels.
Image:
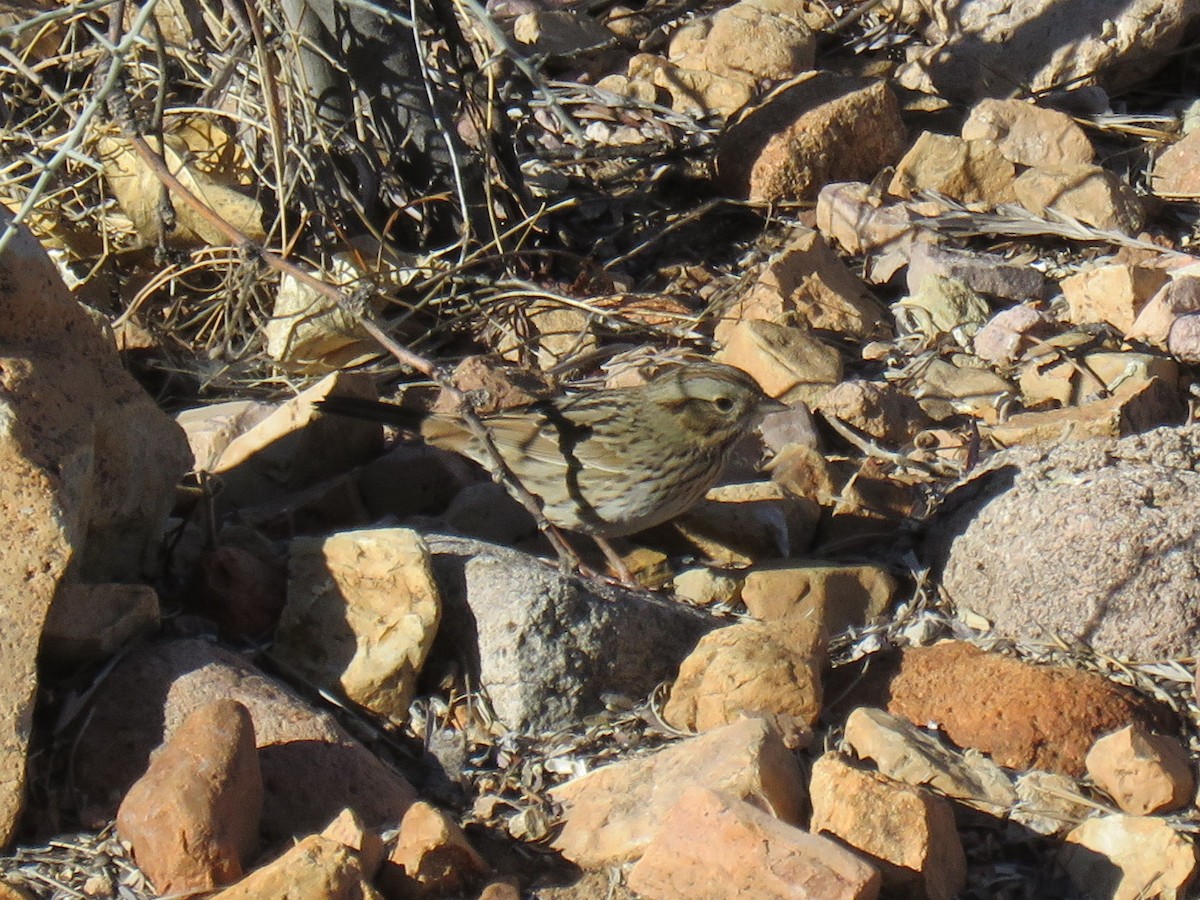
[
  {"x": 361, "y": 616},
  {"x": 500, "y": 890},
  {"x": 983, "y": 273},
  {"x": 841, "y": 597},
  {"x": 906, "y": 832},
  {"x": 1024, "y": 716},
  {"x": 1113, "y": 293},
  {"x": 985, "y": 49},
  {"x": 315, "y": 867},
  {"x": 311, "y": 768},
  {"x": 878, "y": 409},
  {"x": 577, "y": 641},
  {"x": 548, "y": 333},
  {"x": 1176, "y": 173},
  {"x": 971, "y": 172},
  {"x": 792, "y": 427},
  {"x": 611, "y": 814},
  {"x": 737, "y": 524},
  {"x": 348, "y": 829},
  {"x": 1050, "y": 803},
  {"x": 707, "y": 587},
  {"x": 1084, "y": 378},
  {"x": 824, "y": 129},
  {"x": 192, "y": 819},
  {"x": 1089, "y": 194},
  {"x": 431, "y": 857},
  {"x": 754, "y": 40},
  {"x": 750, "y": 667},
  {"x": 806, "y": 284},
  {"x": 1134, "y": 407},
  {"x": 942, "y": 306},
  {"x": 89, "y": 466},
  {"x": 413, "y": 479},
  {"x": 487, "y": 512},
  {"x": 716, "y": 846},
  {"x": 692, "y": 91},
  {"x": 1127, "y": 858},
  {"x": 1145, "y": 773},
  {"x": 1179, "y": 296},
  {"x": 1183, "y": 341},
  {"x": 210, "y": 429},
  {"x": 805, "y": 472},
  {"x": 946, "y": 389},
  {"x": 89, "y": 622},
  {"x": 1028, "y": 135},
  {"x": 1002, "y": 340},
  {"x": 241, "y": 591},
  {"x": 789, "y": 364},
  {"x": 903, "y": 752},
  {"x": 560, "y": 34},
  {"x": 853, "y": 216},
  {"x": 1072, "y": 539}
]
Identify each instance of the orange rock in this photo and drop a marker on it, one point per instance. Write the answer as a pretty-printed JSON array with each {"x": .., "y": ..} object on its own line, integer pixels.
[
  {"x": 789, "y": 363},
  {"x": 839, "y": 596},
  {"x": 907, "y": 832},
  {"x": 431, "y": 858},
  {"x": 1144, "y": 772},
  {"x": 348, "y": 829},
  {"x": 1176, "y": 172},
  {"x": 967, "y": 171},
  {"x": 715, "y": 846},
  {"x": 1129, "y": 857},
  {"x": 1088, "y": 193},
  {"x": 193, "y": 817},
  {"x": 1027, "y": 134},
  {"x": 1112, "y": 293},
  {"x": 315, "y": 867}
]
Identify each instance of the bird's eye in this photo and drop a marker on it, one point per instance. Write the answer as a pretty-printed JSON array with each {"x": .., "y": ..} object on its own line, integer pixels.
[{"x": 723, "y": 404}]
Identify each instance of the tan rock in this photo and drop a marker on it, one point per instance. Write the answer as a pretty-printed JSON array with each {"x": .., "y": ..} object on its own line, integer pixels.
[
  {"x": 789, "y": 363},
  {"x": 1028, "y": 135},
  {"x": 1135, "y": 407},
  {"x": 807, "y": 284},
  {"x": 1094, "y": 375},
  {"x": 1179, "y": 296},
  {"x": 362, "y": 612},
  {"x": 1113, "y": 293},
  {"x": 192, "y": 819},
  {"x": 736, "y": 524},
  {"x": 783, "y": 45},
  {"x": 88, "y": 622},
  {"x": 707, "y": 587},
  {"x": 210, "y": 429},
  {"x": 500, "y": 890},
  {"x": 315, "y": 867},
  {"x": 12, "y": 892},
  {"x": 905, "y": 831},
  {"x": 1008, "y": 333},
  {"x": 88, "y": 468},
  {"x": 903, "y": 752},
  {"x": 750, "y": 667},
  {"x": 560, "y": 33},
  {"x": 348, "y": 828},
  {"x": 1176, "y": 172},
  {"x": 1145, "y": 773},
  {"x": 547, "y": 333},
  {"x": 840, "y": 596},
  {"x": 1050, "y": 803},
  {"x": 824, "y": 129},
  {"x": 715, "y": 846},
  {"x": 972, "y": 172},
  {"x": 1025, "y": 716},
  {"x": 878, "y": 409},
  {"x": 804, "y": 472},
  {"x": 947, "y": 389},
  {"x": 1183, "y": 341},
  {"x": 611, "y": 814},
  {"x": 854, "y": 217},
  {"x": 1090, "y": 194},
  {"x": 693, "y": 91},
  {"x": 1128, "y": 857},
  {"x": 431, "y": 857},
  {"x": 940, "y": 306}
]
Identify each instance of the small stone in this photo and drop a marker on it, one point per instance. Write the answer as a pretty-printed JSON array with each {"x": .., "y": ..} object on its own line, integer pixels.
[
  {"x": 840, "y": 596},
  {"x": 241, "y": 591},
  {"x": 1145, "y": 773},
  {"x": 210, "y": 429},
  {"x": 983, "y": 273},
  {"x": 1176, "y": 173},
  {"x": 947, "y": 390},
  {"x": 751, "y": 39},
  {"x": 942, "y": 306},
  {"x": 88, "y": 622},
  {"x": 560, "y": 33},
  {"x": 1090, "y": 194},
  {"x": 1002, "y": 340},
  {"x": 853, "y": 216},
  {"x": 750, "y": 667},
  {"x": 905, "y": 831},
  {"x": 361, "y": 616},
  {"x": 486, "y": 511},
  {"x": 611, "y": 814},
  {"x": 695, "y": 91},
  {"x": 878, "y": 409},
  {"x": 1113, "y": 293},
  {"x": 825, "y": 129},
  {"x": 315, "y": 867},
  {"x": 547, "y": 333},
  {"x": 1082, "y": 380},
  {"x": 707, "y": 587},
  {"x": 348, "y": 828},
  {"x": 1183, "y": 342},
  {"x": 1179, "y": 296},
  {"x": 1028, "y": 135},
  {"x": 431, "y": 858},
  {"x": 971, "y": 172},
  {"x": 193, "y": 818},
  {"x": 788, "y": 363},
  {"x": 1129, "y": 857},
  {"x": 716, "y": 846},
  {"x": 1135, "y": 407},
  {"x": 793, "y": 427},
  {"x": 1025, "y": 716}
]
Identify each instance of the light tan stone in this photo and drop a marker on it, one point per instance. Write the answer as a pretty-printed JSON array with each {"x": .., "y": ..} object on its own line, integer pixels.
[
  {"x": 1113, "y": 293},
  {"x": 1083, "y": 380},
  {"x": 1176, "y": 172},
  {"x": 1129, "y": 857},
  {"x": 752, "y": 40},
  {"x": 348, "y": 828},
  {"x": 1090, "y": 194},
  {"x": 905, "y": 831},
  {"x": 715, "y": 846},
  {"x": 840, "y": 596},
  {"x": 548, "y": 333},
  {"x": 315, "y": 867},
  {"x": 707, "y": 587},
  {"x": 971, "y": 172},
  {"x": 879, "y": 409},
  {"x": 947, "y": 389},
  {"x": 853, "y": 216},
  {"x": 789, "y": 363},
  {"x": 560, "y": 33},
  {"x": 611, "y": 814},
  {"x": 193, "y": 818},
  {"x": 1028, "y": 135},
  {"x": 210, "y": 429},
  {"x": 750, "y": 667},
  {"x": 1144, "y": 772},
  {"x": 431, "y": 857},
  {"x": 362, "y": 612},
  {"x": 699, "y": 92}
]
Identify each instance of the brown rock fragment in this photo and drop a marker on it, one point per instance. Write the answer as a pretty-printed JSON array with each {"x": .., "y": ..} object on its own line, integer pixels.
[
  {"x": 316, "y": 867},
  {"x": 1090, "y": 194},
  {"x": 1129, "y": 857},
  {"x": 193, "y": 817},
  {"x": 610, "y": 814},
  {"x": 1178, "y": 297},
  {"x": 907, "y": 832},
  {"x": 789, "y": 592},
  {"x": 1028, "y": 135},
  {"x": 1176, "y": 172},
  {"x": 93, "y": 621},
  {"x": 1144, "y": 772},
  {"x": 430, "y": 858},
  {"x": 1025, "y": 716},
  {"x": 1113, "y": 293},
  {"x": 878, "y": 409},
  {"x": 789, "y": 363},
  {"x": 968, "y": 171},
  {"x": 348, "y": 828}
]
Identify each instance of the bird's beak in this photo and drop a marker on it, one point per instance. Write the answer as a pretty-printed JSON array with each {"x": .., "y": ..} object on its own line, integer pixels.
[{"x": 768, "y": 406}]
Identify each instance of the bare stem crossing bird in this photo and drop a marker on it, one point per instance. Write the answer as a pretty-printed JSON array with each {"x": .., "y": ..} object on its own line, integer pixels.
[{"x": 609, "y": 462}]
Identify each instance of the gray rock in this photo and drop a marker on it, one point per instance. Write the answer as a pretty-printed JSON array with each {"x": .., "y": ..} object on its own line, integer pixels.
[
  {"x": 1097, "y": 540},
  {"x": 546, "y": 648}
]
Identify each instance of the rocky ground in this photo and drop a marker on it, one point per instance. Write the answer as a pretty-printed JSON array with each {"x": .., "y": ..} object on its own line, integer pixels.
[{"x": 933, "y": 637}]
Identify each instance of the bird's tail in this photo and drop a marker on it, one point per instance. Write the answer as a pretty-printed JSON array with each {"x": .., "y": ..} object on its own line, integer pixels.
[{"x": 373, "y": 411}]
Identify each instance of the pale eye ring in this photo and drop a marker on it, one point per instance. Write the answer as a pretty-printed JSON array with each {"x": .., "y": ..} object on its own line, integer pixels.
[{"x": 723, "y": 404}]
